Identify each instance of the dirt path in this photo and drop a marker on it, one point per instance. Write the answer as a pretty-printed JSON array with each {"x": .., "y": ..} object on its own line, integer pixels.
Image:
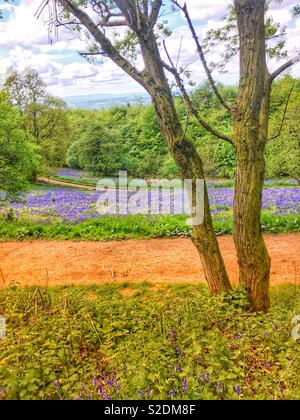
[
  {"x": 155, "y": 260},
  {"x": 65, "y": 183}
]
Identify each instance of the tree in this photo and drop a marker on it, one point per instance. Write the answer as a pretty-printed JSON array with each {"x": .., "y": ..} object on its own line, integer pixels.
[
  {"x": 45, "y": 118},
  {"x": 18, "y": 158},
  {"x": 249, "y": 115},
  {"x": 246, "y": 33},
  {"x": 99, "y": 152},
  {"x": 141, "y": 18},
  {"x": 283, "y": 147}
]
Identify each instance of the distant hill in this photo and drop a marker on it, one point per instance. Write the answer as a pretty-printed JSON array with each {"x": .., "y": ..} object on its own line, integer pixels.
[{"x": 105, "y": 101}]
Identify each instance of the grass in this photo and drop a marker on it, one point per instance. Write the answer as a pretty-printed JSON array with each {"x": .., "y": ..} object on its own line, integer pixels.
[
  {"x": 147, "y": 342},
  {"x": 132, "y": 227},
  {"x": 83, "y": 182},
  {"x": 222, "y": 183}
]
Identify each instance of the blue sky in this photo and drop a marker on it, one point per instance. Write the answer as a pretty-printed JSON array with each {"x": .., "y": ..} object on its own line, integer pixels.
[{"x": 24, "y": 42}]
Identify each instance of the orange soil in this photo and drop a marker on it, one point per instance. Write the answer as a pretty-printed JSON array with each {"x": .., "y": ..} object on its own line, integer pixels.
[
  {"x": 65, "y": 183},
  {"x": 156, "y": 260}
]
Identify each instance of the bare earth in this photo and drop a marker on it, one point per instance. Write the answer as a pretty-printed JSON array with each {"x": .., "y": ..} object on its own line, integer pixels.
[
  {"x": 156, "y": 260},
  {"x": 65, "y": 184}
]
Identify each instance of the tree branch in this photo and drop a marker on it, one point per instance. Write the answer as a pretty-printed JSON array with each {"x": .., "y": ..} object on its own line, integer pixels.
[
  {"x": 201, "y": 54},
  {"x": 106, "y": 23},
  {"x": 285, "y": 66},
  {"x": 155, "y": 12},
  {"x": 284, "y": 115},
  {"x": 129, "y": 11},
  {"x": 191, "y": 108},
  {"x": 105, "y": 43}
]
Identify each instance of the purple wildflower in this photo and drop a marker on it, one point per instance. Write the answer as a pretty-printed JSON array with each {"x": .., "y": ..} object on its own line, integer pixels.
[
  {"x": 100, "y": 390},
  {"x": 205, "y": 377},
  {"x": 172, "y": 393},
  {"x": 178, "y": 368},
  {"x": 237, "y": 390},
  {"x": 57, "y": 384},
  {"x": 172, "y": 334},
  {"x": 185, "y": 385},
  {"x": 72, "y": 206},
  {"x": 179, "y": 352}
]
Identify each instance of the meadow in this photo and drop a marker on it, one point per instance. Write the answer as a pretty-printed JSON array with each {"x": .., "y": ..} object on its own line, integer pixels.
[
  {"x": 67, "y": 213},
  {"x": 147, "y": 342},
  {"x": 162, "y": 319}
]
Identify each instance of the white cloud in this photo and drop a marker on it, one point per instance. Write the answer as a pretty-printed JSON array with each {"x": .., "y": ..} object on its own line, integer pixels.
[
  {"x": 66, "y": 74},
  {"x": 207, "y": 9}
]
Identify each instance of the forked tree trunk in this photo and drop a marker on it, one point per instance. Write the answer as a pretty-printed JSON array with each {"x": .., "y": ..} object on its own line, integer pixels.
[
  {"x": 153, "y": 79},
  {"x": 250, "y": 131}
]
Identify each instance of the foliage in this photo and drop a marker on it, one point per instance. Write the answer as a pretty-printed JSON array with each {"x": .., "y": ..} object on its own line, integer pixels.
[
  {"x": 18, "y": 158},
  {"x": 147, "y": 342},
  {"x": 224, "y": 158},
  {"x": 45, "y": 117},
  {"x": 226, "y": 38},
  {"x": 283, "y": 152},
  {"x": 135, "y": 132},
  {"x": 130, "y": 227},
  {"x": 99, "y": 151}
]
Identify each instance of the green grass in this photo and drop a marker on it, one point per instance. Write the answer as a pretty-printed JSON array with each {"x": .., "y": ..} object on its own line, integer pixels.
[
  {"x": 84, "y": 182},
  {"x": 219, "y": 184},
  {"x": 97, "y": 343},
  {"x": 132, "y": 227}
]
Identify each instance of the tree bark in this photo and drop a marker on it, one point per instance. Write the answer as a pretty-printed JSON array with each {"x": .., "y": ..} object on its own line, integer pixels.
[
  {"x": 153, "y": 79},
  {"x": 250, "y": 134}
]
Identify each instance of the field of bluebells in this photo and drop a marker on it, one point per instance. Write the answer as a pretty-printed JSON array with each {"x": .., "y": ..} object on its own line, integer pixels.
[
  {"x": 44, "y": 209},
  {"x": 147, "y": 342},
  {"x": 73, "y": 206}
]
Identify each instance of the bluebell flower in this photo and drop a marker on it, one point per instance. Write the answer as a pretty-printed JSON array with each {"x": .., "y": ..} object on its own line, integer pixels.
[{"x": 237, "y": 390}]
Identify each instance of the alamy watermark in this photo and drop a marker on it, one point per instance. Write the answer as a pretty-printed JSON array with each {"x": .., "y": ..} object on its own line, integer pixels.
[
  {"x": 2, "y": 328},
  {"x": 296, "y": 329},
  {"x": 155, "y": 197}
]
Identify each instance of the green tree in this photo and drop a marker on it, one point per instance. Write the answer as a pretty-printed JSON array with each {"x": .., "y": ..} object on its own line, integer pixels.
[
  {"x": 18, "y": 157},
  {"x": 248, "y": 30},
  {"x": 283, "y": 148},
  {"x": 98, "y": 151},
  {"x": 45, "y": 117}
]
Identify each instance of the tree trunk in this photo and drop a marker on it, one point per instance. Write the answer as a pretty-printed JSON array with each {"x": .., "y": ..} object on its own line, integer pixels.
[
  {"x": 189, "y": 163},
  {"x": 250, "y": 132},
  {"x": 153, "y": 79}
]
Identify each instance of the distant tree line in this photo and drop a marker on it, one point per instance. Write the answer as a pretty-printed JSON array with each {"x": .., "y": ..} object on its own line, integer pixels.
[
  {"x": 128, "y": 138},
  {"x": 38, "y": 133}
]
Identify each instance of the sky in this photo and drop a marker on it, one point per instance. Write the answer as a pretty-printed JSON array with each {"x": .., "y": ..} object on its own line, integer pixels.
[{"x": 24, "y": 42}]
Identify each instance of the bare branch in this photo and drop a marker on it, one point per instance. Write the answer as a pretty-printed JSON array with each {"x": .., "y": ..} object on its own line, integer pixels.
[
  {"x": 106, "y": 23},
  {"x": 88, "y": 54},
  {"x": 201, "y": 54},
  {"x": 284, "y": 115},
  {"x": 285, "y": 66},
  {"x": 155, "y": 12},
  {"x": 105, "y": 43},
  {"x": 191, "y": 108}
]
